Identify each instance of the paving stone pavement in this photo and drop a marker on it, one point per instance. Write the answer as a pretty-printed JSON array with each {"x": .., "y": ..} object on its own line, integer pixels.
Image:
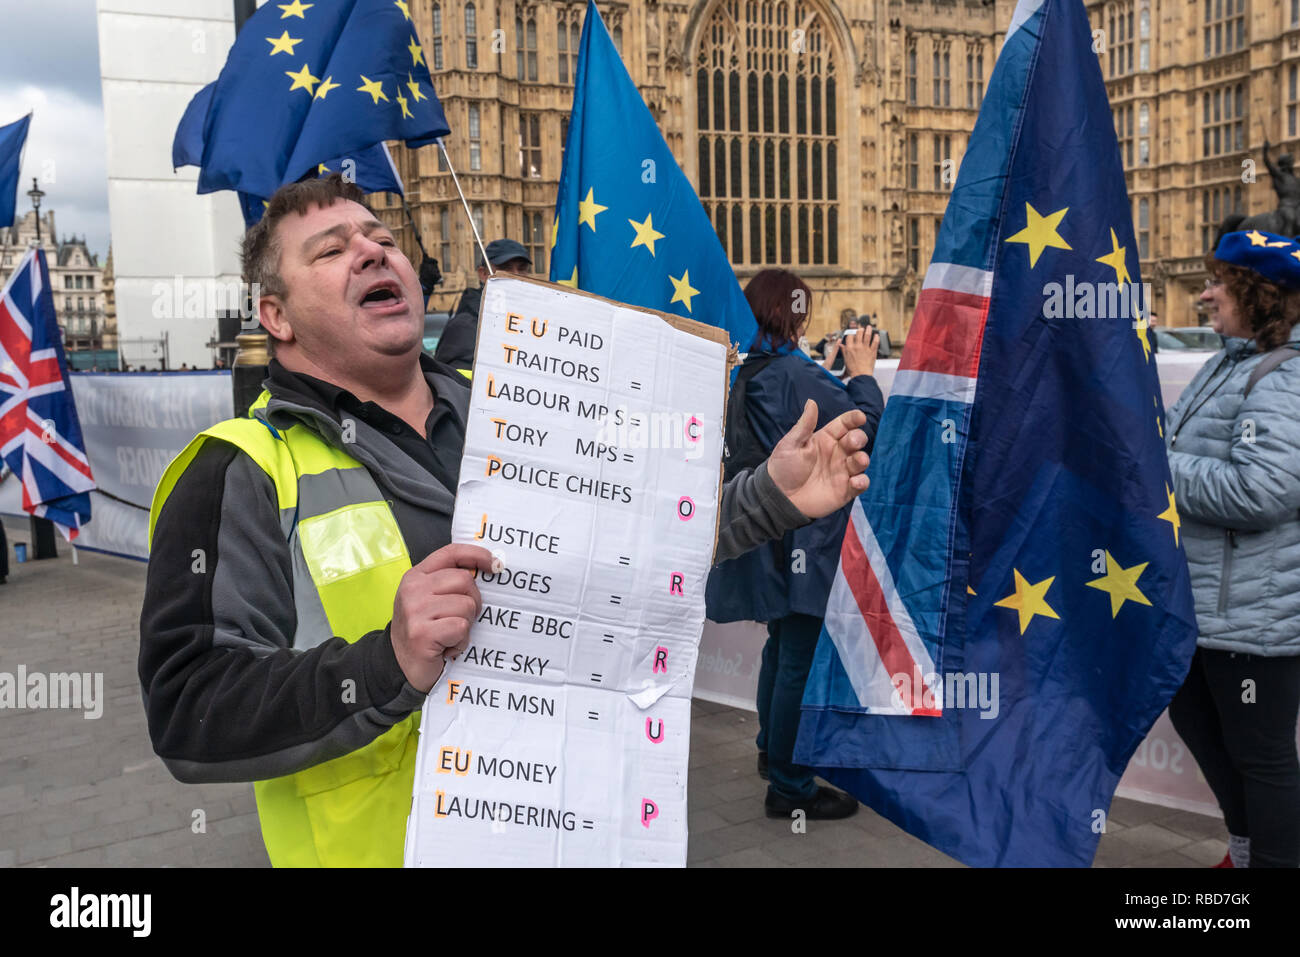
[{"x": 79, "y": 792}]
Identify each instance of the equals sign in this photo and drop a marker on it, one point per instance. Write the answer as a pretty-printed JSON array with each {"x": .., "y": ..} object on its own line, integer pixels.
[
  {"x": 627, "y": 457},
  {"x": 595, "y": 677},
  {"x": 624, "y": 560},
  {"x": 607, "y": 639},
  {"x": 593, "y": 715},
  {"x": 635, "y": 420},
  {"x": 616, "y": 599},
  {"x": 588, "y": 825},
  {"x": 636, "y": 385}
]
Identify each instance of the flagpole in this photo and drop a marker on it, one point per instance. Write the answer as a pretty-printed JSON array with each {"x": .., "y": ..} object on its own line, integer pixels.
[{"x": 464, "y": 202}]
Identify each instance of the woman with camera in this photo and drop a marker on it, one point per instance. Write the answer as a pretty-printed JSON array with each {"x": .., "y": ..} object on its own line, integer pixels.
[
  {"x": 786, "y": 583},
  {"x": 1234, "y": 453}
]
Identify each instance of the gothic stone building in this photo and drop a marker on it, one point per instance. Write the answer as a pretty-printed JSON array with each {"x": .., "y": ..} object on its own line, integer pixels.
[{"x": 825, "y": 137}]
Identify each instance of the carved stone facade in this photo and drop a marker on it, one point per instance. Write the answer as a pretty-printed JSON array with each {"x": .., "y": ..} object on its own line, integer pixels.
[
  {"x": 1196, "y": 87},
  {"x": 825, "y": 137}
]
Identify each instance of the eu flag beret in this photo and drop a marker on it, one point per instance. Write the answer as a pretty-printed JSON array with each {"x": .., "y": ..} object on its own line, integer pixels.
[{"x": 1276, "y": 258}]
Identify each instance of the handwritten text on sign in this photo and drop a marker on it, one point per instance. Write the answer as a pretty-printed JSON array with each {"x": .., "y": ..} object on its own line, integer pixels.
[{"x": 591, "y": 468}]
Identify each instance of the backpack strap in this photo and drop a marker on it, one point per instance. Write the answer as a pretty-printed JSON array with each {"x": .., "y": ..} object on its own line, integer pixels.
[{"x": 1271, "y": 361}]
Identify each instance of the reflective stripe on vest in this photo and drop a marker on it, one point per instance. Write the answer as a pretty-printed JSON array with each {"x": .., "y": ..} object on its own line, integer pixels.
[{"x": 348, "y": 558}]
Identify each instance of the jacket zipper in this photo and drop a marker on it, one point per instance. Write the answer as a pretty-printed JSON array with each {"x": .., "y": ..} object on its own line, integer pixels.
[{"x": 1225, "y": 573}]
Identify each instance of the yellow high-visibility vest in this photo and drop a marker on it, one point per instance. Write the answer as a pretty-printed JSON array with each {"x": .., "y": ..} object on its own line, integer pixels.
[{"x": 348, "y": 558}]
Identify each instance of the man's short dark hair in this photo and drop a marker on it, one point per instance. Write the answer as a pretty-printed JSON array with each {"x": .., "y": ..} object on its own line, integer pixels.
[{"x": 260, "y": 250}]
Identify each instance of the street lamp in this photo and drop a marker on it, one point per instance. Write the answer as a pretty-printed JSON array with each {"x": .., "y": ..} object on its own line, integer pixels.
[
  {"x": 42, "y": 529},
  {"x": 36, "y": 194}
]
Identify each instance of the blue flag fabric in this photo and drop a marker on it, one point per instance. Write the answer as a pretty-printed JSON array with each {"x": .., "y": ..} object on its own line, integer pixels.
[
  {"x": 628, "y": 224},
  {"x": 304, "y": 82},
  {"x": 13, "y": 136},
  {"x": 1012, "y": 610},
  {"x": 372, "y": 169}
]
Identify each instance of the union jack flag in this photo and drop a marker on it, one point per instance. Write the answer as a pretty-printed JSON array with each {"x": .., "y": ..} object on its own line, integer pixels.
[
  {"x": 40, "y": 435},
  {"x": 1020, "y": 528}
]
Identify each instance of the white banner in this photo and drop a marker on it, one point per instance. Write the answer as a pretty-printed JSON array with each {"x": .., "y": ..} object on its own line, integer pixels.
[
  {"x": 561, "y": 737},
  {"x": 133, "y": 425}
]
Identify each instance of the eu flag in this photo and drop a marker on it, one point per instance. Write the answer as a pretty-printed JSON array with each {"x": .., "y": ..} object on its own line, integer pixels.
[
  {"x": 13, "y": 136},
  {"x": 1012, "y": 610},
  {"x": 372, "y": 169},
  {"x": 628, "y": 225},
  {"x": 306, "y": 82}
]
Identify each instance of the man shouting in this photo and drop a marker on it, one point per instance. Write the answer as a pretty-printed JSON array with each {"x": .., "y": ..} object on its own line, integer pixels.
[{"x": 303, "y": 592}]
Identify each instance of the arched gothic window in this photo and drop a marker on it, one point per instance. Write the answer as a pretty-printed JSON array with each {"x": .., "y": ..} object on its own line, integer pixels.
[
  {"x": 437, "y": 36},
  {"x": 767, "y": 112},
  {"x": 526, "y": 49},
  {"x": 471, "y": 37}
]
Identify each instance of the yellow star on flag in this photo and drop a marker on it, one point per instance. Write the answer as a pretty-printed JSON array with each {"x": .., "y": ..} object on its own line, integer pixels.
[
  {"x": 1140, "y": 326},
  {"x": 401, "y": 5},
  {"x": 1121, "y": 584},
  {"x": 1040, "y": 232},
  {"x": 645, "y": 234},
  {"x": 1115, "y": 260},
  {"x": 1029, "y": 600},
  {"x": 683, "y": 290},
  {"x": 1280, "y": 242},
  {"x": 417, "y": 52},
  {"x": 588, "y": 210},
  {"x": 321, "y": 168},
  {"x": 326, "y": 85},
  {"x": 374, "y": 87},
  {"x": 1257, "y": 238},
  {"x": 572, "y": 280},
  {"x": 555, "y": 231},
  {"x": 302, "y": 80},
  {"x": 295, "y": 9},
  {"x": 1170, "y": 514},
  {"x": 282, "y": 44},
  {"x": 401, "y": 101},
  {"x": 1296, "y": 254},
  {"x": 414, "y": 87}
]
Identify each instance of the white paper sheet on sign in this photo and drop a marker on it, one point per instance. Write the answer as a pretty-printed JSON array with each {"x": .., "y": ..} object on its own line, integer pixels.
[{"x": 591, "y": 466}]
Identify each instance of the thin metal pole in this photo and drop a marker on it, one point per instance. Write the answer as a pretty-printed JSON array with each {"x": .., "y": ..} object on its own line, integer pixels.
[{"x": 464, "y": 202}]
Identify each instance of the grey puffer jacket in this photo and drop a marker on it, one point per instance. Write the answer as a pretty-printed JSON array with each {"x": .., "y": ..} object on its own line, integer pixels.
[{"x": 1235, "y": 462}]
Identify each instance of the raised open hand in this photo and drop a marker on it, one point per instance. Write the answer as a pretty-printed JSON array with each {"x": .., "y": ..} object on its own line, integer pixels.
[{"x": 821, "y": 472}]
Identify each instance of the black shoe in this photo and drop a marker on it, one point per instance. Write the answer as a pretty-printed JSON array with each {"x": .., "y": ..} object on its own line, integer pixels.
[
  {"x": 762, "y": 765},
  {"x": 827, "y": 804}
]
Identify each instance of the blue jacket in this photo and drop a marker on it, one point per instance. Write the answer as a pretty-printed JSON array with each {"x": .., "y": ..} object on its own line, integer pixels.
[
  {"x": 1235, "y": 461},
  {"x": 792, "y": 574}
]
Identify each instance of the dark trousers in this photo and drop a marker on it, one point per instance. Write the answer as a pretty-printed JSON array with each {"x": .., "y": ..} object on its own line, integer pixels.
[
  {"x": 1247, "y": 749},
  {"x": 4, "y": 552},
  {"x": 787, "y": 659}
]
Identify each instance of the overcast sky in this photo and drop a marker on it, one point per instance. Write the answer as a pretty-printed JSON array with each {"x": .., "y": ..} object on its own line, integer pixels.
[{"x": 49, "y": 62}]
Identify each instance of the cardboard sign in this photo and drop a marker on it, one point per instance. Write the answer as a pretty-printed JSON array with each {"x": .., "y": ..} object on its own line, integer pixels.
[{"x": 591, "y": 468}]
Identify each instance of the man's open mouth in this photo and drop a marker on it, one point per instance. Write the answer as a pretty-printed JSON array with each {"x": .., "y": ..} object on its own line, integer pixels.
[{"x": 387, "y": 293}]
